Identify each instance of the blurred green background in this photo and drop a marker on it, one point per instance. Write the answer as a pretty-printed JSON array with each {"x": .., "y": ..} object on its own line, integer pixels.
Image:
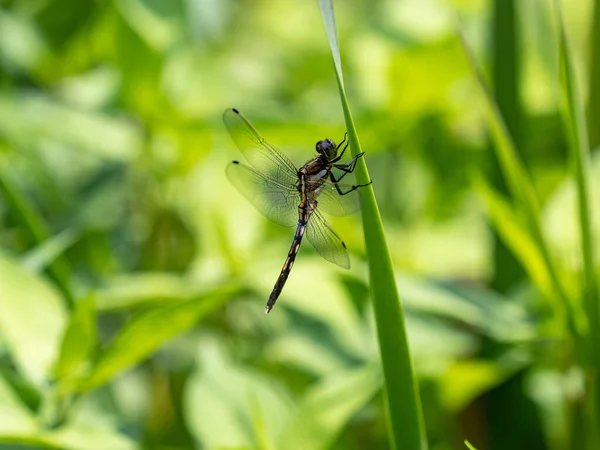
[{"x": 133, "y": 277}]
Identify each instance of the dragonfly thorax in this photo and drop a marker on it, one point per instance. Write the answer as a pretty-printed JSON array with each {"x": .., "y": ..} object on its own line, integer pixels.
[{"x": 327, "y": 149}]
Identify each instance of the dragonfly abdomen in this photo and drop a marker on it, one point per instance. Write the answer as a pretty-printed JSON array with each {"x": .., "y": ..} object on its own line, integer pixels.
[{"x": 287, "y": 266}]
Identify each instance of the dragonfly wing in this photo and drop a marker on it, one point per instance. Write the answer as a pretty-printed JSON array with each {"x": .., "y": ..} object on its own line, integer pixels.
[
  {"x": 331, "y": 202},
  {"x": 261, "y": 155},
  {"x": 326, "y": 241},
  {"x": 277, "y": 202}
]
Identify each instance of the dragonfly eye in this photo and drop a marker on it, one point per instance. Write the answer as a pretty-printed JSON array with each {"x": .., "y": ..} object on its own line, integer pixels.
[{"x": 327, "y": 148}]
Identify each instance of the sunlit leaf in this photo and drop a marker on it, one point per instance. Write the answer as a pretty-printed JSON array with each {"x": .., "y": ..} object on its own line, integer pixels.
[
  {"x": 487, "y": 311},
  {"x": 88, "y": 438},
  {"x": 146, "y": 289},
  {"x": 327, "y": 407},
  {"x": 159, "y": 28},
  {"x": 307, "y": 298},
  {"x": 29, "y": 119},
  {"x": 222, "y": 399},
  {"x": 464, "y": 381},
  {"x": 147, "y": 332},
  {"x": 32, "y": 319},
  {"x": 25, "y": 48},
  {"x": 15, "y": 418},
  {"x": 259, "y": 422},
  {"x": 78, "y": 341}
]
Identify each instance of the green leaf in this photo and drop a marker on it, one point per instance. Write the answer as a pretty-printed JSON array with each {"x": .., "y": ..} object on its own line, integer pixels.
[
  {"x": 70, "y": 438},
  {"x": 78, "y": 341},
  {"x": 406, "y": 423},
  {"x": 26, "y": 48},
  {"x": 28, "y": 119},
  {"x": 156, "y": 28},
  {"x": 147, "y": 332},
  {"x": 79, "y": 437},
  {"x": 15, "y": 418},
  {"x": 477, "y": 307},
  {"x": 259, "y": 424},
  {"x": 146, "y": 289},
  {"x": 222, "y": 400},
  {"x": 464, "y": 381},
  {"x": 327, "y": 407},
  {"x": 337, "y": 313},
  {"x": 32, "y": 319}
]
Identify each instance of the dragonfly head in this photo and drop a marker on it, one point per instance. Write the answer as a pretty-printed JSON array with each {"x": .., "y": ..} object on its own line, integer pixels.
[{"x": 327, "y": 148}]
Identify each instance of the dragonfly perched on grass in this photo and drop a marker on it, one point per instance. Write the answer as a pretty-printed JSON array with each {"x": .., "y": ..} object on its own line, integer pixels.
[{"x": 295, "y": 197}]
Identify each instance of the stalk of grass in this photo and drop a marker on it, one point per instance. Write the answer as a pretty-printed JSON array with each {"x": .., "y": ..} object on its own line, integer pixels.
[
  {"x": 469, "y": 445},
  {"x": 505, "y": 76},
  {"x": 574, "y": 118},
  {"x": 35, "y": 225},
  {"x": 521, "y": 188},
  {"x": 511, "y": 230},
  {"x": 405, "y": 417},
  {"x": 594, "y": 83}
]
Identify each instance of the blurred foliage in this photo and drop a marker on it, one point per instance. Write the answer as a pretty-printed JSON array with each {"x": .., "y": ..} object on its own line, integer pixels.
[{"x": 133, "y": 276}]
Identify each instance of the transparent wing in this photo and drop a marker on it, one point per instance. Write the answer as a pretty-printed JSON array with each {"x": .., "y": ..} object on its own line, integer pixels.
[
  {"x": 326, "y": 241},
  {"x": 277, "y": 202},
  {"x": 258, "y": 152},
  {"x": 331, "y": 202}
]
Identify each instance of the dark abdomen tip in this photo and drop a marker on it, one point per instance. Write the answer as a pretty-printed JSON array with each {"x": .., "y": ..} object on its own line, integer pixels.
[
  {"x": 235, "y": 162},
  {"x": 235, "y": 110}
]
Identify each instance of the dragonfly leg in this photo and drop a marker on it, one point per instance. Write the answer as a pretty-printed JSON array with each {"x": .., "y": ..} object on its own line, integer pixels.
[
  {"x": 343, "y": 141},
  {"x": 348, "y": 168},
  {"x": 343, "y": 150},
  {"x": 353, "y": 188}
]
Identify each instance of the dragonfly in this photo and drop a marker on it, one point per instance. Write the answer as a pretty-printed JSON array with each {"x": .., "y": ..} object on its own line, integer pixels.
[{"x": 295, "y": 197}]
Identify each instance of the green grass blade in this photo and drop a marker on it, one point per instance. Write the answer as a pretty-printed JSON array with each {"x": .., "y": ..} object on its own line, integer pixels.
[
  {"x": 575, "y": 123},
  {"x": 574, "y": 117},
  {"x": 259, "y": 424},
  {"x": 505, "y": 65},
  {"x": 406, "y": 423},
  {"x": 521, "y": 188},
  {"x": 594, "y": 86},
  {"x": 516, "y": 176},
  {"x": 42, "y": 256},
  {"x": 510, "y": 228},
  {"x": 33, "y": 222}
]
